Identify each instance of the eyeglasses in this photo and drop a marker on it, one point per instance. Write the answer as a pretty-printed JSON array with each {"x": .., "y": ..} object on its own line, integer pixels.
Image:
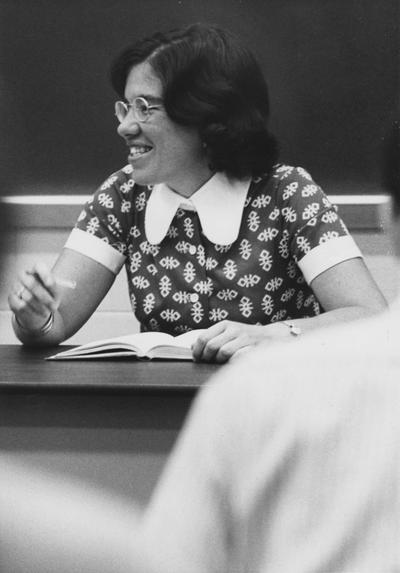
[{"x": 140, "y": 107}]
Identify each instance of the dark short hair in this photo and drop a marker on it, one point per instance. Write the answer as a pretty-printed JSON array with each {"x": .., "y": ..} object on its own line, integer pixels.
[
  {"x": 391, "y": 163},
  {"x": 213, "y": 83}
]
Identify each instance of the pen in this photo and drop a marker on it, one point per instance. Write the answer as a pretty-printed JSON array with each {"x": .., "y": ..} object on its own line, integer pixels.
[{"x": 66, "y": 283}]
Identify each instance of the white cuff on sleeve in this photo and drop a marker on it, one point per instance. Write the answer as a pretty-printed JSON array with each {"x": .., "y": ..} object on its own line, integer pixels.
[
  {"x": 96, "y": 249},
  {"x": 328, "y": 255}
]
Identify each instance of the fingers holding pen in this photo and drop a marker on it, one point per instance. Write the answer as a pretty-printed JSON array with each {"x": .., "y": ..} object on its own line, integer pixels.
[
  {"x": 39, "y": 289},
  {"x": 36, "y": 291},
  {"x": 45, "y": 281},
  {"x": 35, "y": 299},
  {"x": 53, "y": 283}
]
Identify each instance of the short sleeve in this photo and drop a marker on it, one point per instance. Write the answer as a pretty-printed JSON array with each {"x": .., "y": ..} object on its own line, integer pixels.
[
  {"x": 316, "y": 235},
  {"x": 102, "y": 229}
]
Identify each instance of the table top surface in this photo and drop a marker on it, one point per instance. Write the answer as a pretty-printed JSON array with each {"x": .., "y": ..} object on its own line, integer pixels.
[{"x": 25, "y": 369}]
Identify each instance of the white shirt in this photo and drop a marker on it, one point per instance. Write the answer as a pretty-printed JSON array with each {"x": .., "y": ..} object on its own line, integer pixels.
[{"x": 290, "y": 465}]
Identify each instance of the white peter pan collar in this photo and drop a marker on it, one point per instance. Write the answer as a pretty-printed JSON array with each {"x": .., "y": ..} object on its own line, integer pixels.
[{"x": 219, "y": 204}]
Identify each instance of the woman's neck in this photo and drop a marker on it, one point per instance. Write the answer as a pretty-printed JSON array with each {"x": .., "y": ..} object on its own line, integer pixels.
[{"x": 187, "y": 187}]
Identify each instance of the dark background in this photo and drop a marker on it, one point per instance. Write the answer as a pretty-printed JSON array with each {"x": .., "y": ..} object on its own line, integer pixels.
[{"x": 332, "y": 67}]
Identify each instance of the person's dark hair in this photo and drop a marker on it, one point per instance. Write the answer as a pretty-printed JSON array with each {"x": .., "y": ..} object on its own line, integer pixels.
[
  {"x": 213, "y": 83},
  {"x": 391, "y": 163}
]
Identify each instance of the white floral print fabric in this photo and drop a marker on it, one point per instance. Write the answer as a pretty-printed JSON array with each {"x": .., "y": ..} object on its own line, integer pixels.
[{"x": 188, "y": 282}]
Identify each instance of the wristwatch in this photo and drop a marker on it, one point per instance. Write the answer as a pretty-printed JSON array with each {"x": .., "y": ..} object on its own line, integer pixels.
[{"x": 294, "y": 330}]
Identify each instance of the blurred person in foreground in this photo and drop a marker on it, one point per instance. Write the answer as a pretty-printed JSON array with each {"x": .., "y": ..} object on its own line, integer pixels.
[{"x": 283, "y": 465}]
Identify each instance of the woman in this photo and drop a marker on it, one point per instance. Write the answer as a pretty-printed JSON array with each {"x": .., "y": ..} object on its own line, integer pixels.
[{"x": 213, "y": 232}]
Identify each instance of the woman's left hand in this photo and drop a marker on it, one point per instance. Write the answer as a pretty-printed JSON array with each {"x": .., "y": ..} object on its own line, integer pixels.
[{"x": 226, "y": 338}]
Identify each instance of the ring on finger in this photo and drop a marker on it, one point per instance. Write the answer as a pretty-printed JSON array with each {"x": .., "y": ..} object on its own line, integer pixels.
[{"x": 20, "y": 292}]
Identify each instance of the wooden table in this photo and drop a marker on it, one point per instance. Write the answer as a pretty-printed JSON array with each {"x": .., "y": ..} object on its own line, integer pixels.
[
  {"x": 109, "y": 422},
  {"x": 26, "y": 369}
]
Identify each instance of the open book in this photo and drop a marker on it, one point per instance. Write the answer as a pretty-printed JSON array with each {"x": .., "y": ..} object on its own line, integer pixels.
[{"x": 143, "y": 345}]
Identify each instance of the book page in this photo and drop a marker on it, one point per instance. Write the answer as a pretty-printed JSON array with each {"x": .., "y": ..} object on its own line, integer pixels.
[
  {"x": 188, "y": 338},
  {"x": 144, "y": 341},
  {"x": 147, "y": 340},
  {"x": 140, "y": 343}
]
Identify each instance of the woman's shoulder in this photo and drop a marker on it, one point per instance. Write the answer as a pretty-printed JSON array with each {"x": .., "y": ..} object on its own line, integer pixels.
[
  {"x": 291, "y": 187},
  {"x": 121, "y": 187},
  {"x": 283, "y": 179},
  {"x": 121, "y": 178},
  {"x": 283, "y": 172}
]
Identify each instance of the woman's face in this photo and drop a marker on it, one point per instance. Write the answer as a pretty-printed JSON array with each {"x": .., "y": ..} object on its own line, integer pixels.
[{"x": 161, "y": 151}]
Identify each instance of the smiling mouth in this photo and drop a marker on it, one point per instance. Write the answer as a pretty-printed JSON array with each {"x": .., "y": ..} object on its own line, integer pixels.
[{"x": 136, "y": 151}]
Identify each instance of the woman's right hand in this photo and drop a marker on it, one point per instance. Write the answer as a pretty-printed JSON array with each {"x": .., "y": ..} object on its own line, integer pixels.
[
  {"x": 72, "y": 290},
  {"x": 34, "y": 297}
]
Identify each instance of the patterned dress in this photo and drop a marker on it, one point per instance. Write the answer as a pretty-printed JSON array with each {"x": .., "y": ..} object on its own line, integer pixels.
[{"x": 288, "y": 233}]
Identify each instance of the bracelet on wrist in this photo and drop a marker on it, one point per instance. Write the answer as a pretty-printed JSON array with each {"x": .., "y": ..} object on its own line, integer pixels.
[
  {"x": 294, "y": 330},
  {"x": 47, "y": 326}
]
